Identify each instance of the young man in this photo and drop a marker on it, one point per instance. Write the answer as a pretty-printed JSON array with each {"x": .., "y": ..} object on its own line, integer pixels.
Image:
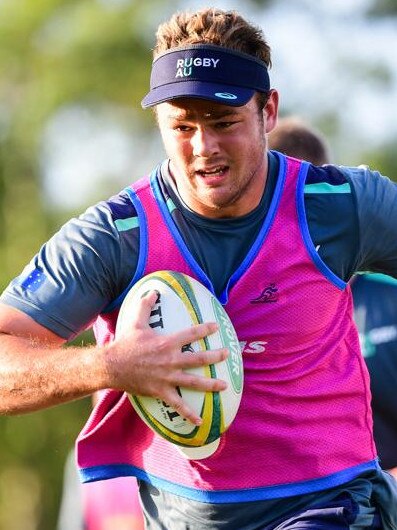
[
  {"x": 375, "y": 303},
  {"x": 223, "y": 209}
]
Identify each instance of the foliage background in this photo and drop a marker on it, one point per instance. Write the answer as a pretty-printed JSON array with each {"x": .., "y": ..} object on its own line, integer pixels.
[{"x": 90, "y": 60}]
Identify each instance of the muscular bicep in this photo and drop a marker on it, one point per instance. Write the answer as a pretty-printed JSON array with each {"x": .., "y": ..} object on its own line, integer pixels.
[{"x": 16, "y": 323}]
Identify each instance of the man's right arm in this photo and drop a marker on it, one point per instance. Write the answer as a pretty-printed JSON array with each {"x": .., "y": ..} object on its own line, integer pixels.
[
  {"x": 37, "y": 372},
  {"x": 82, "y": 269}
]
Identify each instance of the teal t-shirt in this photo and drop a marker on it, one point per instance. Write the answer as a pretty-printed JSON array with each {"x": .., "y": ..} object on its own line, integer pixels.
[{"x": 351, "y": 215}]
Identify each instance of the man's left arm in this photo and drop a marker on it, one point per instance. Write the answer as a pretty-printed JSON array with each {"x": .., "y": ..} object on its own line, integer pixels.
[{"x": 376, "y": 202}]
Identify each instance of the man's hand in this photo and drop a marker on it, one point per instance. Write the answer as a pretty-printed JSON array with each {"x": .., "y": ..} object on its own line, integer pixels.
[{"x": 144, "y": 363}]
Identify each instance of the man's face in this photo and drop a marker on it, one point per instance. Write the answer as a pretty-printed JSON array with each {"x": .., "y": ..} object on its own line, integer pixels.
[{"x": 217, "y": 153}]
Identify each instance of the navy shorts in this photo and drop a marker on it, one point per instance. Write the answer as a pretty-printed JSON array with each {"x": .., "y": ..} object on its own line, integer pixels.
[
  {"x": 342, "y": 514},
  {"x": 367, "y": 502}
]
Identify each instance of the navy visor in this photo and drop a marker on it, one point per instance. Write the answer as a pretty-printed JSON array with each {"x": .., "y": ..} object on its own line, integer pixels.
[{"x": 206, "y": 71}]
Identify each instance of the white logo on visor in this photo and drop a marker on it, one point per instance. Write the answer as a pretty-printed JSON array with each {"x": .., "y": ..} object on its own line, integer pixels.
[{"x": 225, "y": 95}]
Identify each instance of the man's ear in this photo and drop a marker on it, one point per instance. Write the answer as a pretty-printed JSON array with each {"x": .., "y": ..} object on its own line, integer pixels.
[{"x": 270, "y": 111}]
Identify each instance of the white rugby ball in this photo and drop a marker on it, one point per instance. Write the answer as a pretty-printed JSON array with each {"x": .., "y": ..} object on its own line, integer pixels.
[{"x": 182, "y": 302}]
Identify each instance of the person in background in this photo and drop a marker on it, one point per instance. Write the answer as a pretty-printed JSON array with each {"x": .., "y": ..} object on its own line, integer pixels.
[
  {"x": 246, "y": 222},
  {"x": 104, "y": 505},
  {"x": 374, "y": 296},
  {"x": 294, "y": 137},
  {"x": 375, "y": 311}
]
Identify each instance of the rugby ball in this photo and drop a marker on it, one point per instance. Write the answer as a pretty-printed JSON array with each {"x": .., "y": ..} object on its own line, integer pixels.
[{"x": 182, "y": 302}]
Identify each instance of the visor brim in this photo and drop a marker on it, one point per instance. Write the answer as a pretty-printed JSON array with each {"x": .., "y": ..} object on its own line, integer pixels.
[{"x": 224, "y": 94}]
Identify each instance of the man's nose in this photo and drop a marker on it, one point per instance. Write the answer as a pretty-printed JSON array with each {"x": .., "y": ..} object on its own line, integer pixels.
[{"x": 205, "y": 142}]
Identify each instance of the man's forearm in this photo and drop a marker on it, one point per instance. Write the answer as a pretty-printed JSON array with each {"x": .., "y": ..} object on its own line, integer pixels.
[{"x": 37, "y": 375}]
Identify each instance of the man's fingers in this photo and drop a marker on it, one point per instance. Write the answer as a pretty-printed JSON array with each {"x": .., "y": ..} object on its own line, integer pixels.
[
  {"x": 183, "y": 410},
  {"x": 202, "y": 358},
  {"x": 193, "y": 382},
  {"x": 201, "y": 383},
  {"x": 175, "y": 401},
  {"x": 195, "y": 333},
  {"x": 140, "y": 317}
]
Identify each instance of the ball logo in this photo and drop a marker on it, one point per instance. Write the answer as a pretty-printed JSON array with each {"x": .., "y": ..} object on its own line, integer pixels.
[
  {"x": 234, "y": 361},
  {"x": 225, "y": 95}
]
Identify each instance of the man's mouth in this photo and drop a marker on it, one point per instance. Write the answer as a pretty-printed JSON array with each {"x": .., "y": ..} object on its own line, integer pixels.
[{"x": 213, "y": 172}]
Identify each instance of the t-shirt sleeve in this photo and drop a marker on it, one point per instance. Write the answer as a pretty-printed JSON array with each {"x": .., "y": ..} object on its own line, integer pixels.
[
  {"x": 77, "y": 273},
  {"x": 376, "y": 202},
  {"x": 332, "y": 219}
]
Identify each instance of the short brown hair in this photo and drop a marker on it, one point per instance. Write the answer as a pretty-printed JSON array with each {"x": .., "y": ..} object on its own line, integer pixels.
[
  {"x": 216, "y": 27},
  {"x": 212, "y": 26},
  {"x": 293, "y": 137}
]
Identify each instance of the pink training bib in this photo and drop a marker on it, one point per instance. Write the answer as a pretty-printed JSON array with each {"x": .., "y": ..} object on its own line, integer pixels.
[{"x": 304, "y": 423}]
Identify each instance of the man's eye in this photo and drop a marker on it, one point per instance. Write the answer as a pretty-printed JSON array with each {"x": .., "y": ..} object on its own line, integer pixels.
[
  {"x": 182, "y": 128},
  {"x": 224, "y": 124}
]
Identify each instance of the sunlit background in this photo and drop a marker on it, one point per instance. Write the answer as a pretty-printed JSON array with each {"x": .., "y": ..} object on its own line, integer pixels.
[{"x": 73, "y": 73}]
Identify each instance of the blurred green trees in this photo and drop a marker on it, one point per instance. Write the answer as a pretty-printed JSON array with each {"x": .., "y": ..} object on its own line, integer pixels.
[
  {"x": 52, "y": 53},
  {"x": 382, "y": 8}
]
